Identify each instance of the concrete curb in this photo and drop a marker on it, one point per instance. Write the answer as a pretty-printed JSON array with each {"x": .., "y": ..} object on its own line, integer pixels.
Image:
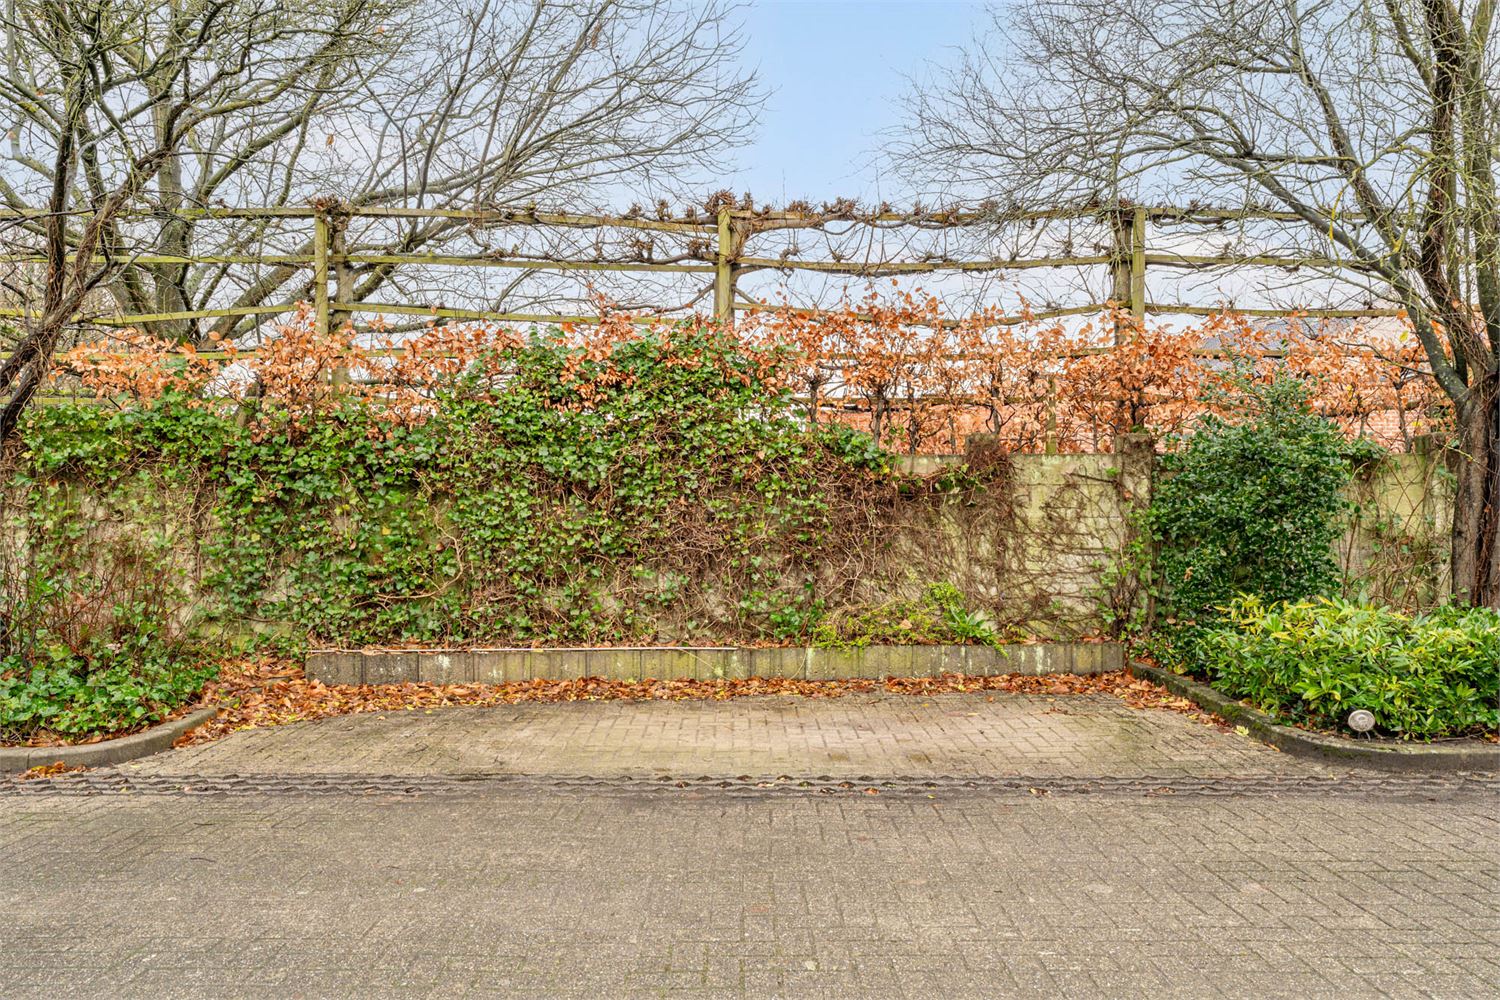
[
  {"x": 142, "y": 744},
  {"x": 496, "y": 666},
  {"x": 1429, "y": 758}
]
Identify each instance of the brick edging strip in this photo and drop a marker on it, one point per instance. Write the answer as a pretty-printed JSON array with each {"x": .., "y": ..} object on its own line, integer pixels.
[
  {"x": 554, "y": 663},
  {"x": 117, "y": 751},
  {"x": 1415, "y": 757}
]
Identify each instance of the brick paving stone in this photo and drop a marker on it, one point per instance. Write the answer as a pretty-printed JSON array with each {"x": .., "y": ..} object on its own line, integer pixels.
[
  {"x": 855, "y": 735},
  {"x": 530, "y": 851},
  {"x": 530, "y": 892}
]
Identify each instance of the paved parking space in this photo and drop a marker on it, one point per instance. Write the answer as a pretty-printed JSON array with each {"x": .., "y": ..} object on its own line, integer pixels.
[
  {"x": 951, "y": 734},
  {"x": 530, "y": 892},
  {"x": 959, "y": 846}
]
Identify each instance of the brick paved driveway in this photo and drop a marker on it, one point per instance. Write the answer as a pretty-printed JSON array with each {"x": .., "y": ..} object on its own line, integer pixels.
[
  {"x": 1255, "y": 882},
  {"x": 975, "y": 734}
]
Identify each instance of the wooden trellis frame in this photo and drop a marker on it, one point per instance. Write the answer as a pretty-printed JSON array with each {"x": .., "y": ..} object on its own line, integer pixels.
[{"x": 725, "y": 234}]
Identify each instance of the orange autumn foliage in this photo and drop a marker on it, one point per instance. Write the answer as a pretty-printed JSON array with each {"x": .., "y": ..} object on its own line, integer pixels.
[
  {"x": 892, "y": 364},
  {"x": 922, "y": 381}
]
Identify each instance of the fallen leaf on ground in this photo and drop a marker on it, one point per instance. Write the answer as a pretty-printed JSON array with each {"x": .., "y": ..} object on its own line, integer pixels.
[
  {"x": 252, "y": 694},
  {"x": 49, "y": 770}
]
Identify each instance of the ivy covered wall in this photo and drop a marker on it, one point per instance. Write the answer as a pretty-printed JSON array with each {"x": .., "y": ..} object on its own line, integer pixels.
[{"x": 660, "y": 492}]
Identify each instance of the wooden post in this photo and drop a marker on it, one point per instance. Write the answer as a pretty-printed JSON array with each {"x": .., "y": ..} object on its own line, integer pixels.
[
  {"x": 1121, "y": 258},
  {"x": 1050, "y": 441},
  {"x": 1138, "y": 263},
  {"x": 1121, "y": 265},
  {"x": 320, "y": 272},
  {"x": 1128, "y": 265},
  {"x": 723, "y": 271},
  {"x": 343, "y": 288},
  {"x": 343, "y": 275}
]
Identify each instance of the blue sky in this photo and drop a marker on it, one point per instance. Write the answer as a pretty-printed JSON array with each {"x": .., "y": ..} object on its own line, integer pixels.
[{"x": 837, "y": 70}]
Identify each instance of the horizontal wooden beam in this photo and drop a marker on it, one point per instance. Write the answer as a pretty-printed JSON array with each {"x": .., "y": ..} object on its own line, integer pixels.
[
  {"x": 916, "y": 267},
  {"x": 159, "y": 258},
  {"x": 138, "y": 318},
  {"x": 497, "y": 217},
  {"x": 1171, "y": 307},
  {"x": 707, "y": 223},
  {"x": 525, "y": 264},
  {"x": 936, "y": 218},
  {"x": 949, "y": 324},
  {"x": 443, "y": 312},
  {"x": 513, "y": 217},
  {"x": 1163, "y": 259},
  {"x": 777, "y": 263}
]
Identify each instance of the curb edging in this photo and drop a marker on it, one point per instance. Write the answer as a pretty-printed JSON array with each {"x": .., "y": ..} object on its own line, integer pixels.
[
  {"x": 116, "y": 751},
  {"x": 1415, "y": 758},
  {"x": 632, "y": 663}
]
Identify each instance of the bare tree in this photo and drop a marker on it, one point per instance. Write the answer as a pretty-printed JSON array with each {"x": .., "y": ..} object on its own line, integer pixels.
[
  {"x": 125, "y": 86},
  {"x": 1370, "y": 123},
  {"x": 474, "y": 104}
]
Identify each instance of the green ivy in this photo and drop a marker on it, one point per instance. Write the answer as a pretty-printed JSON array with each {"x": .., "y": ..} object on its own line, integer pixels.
[
  {"x": 91, "y": 638},
  {"x": 664, "y": 493},
  {"x": 941, "y": 615},
  {"x": 75, "y": 695}
]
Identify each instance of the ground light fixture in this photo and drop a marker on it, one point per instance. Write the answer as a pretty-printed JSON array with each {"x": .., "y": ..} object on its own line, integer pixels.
[{"x": 1361, "y": 720}]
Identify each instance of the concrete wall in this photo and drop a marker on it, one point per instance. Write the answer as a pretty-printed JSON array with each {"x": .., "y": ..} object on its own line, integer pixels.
[
  {"x": 1038, "y": 551},
  {"x": 1397, "y": 549},
  {"x": 1053, "y": 563},
  {"x": 497, "y": 666},
  {"x": 1034, "y": 552}
]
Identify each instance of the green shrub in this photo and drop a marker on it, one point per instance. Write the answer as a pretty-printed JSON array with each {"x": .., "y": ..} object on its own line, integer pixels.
[
  {"x": 93, "y": 620},
  {"x": 1251, "y": 508},
  {"x": 85, "y": 657},
  {"x": 80, "y": 695},
  {"x": 941, "y": 615},
  {"x": 1315, "y": 661}
]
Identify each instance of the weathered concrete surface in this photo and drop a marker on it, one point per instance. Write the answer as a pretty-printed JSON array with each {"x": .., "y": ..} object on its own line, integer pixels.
[
  {"x": 277, "y": 863},
  {"x": 952, "y": 734},
  {"x": 537, "y": 893},
  {"x": 1039, "y": 549},
  {"x": 499, "y": 666}
]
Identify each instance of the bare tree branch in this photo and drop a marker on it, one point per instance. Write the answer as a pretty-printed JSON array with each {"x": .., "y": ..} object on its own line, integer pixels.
[{"x": 1372, "y": 121}]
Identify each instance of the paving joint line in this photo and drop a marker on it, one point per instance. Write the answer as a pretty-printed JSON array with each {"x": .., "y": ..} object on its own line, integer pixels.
[{"x": 313, "y": 784}]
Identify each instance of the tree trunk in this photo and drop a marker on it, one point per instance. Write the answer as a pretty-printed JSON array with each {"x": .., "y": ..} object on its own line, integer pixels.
[{"x": 1476, "y": 513}]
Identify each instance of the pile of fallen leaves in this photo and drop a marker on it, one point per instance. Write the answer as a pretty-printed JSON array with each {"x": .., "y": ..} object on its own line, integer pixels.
[
  {"x": 254, "y": 694},
  {"x": 53, "y": 770}
]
